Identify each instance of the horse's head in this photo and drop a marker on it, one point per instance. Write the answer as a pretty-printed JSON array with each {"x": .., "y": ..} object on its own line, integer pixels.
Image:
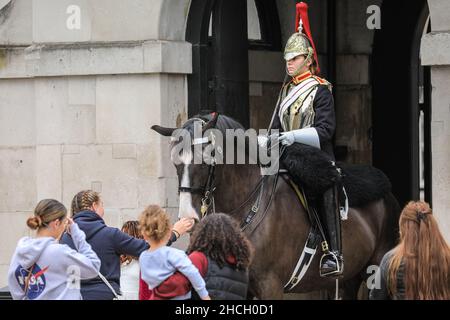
[{"x": 195, "y": 148}]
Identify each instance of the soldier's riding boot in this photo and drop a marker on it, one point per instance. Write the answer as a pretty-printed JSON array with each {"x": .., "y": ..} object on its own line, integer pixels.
[{"x": 332, "y": 262}]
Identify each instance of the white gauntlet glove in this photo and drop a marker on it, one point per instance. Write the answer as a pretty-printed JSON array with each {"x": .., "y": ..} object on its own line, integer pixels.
[
  {"x": 262, "y": 141},
  {"x": 307, "y": 136}
]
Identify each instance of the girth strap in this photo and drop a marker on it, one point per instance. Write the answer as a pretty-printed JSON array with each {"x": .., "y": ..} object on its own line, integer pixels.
[
  {"x": 315, "y": 235},
  {"x": 306, "y": 257}
]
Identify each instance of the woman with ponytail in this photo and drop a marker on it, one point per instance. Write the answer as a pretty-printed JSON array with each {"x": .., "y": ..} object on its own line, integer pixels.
[
  {"x": 43, "y": 269},
  {"x": 109, "y": 243},
  {"x": 418, "y": 268}
]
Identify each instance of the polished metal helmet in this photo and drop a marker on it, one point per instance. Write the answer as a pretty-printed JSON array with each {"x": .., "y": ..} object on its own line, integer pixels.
[
  {"x": 301, "y": 42},
  {"x": 298, "y": 44}
]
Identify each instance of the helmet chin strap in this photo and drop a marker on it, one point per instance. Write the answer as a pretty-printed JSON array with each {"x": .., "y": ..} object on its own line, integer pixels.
[{"x": 297, "y": 71}]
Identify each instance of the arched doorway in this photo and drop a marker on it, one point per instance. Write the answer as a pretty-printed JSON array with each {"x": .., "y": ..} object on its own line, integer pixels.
[
  {"x": 221, "y": 33},
  {"x": 401, "y": 93}
]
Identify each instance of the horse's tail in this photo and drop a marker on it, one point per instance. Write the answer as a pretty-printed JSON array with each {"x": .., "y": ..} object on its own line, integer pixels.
[{"x": 390, "y": 229}]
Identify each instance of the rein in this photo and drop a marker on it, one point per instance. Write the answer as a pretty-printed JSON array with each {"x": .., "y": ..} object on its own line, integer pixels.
[
  {"x": 209, "y": 188},
  {"x": 250, "y": 216}
]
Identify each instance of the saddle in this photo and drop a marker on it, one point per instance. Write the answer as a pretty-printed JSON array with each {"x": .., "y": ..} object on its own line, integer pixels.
[
  {"x": 315, "y": 172},
  {"x": 310, "y": 172}
]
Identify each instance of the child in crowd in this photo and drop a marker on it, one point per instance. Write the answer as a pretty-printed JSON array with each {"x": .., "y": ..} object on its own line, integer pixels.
[
  {"x": 129, "y": 267},
  {"x": 160, "y": 261},
  {"x": 222, "y": 253}
]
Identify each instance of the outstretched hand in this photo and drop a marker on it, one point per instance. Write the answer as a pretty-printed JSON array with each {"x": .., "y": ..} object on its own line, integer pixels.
[{"x": 183, "y": 225}]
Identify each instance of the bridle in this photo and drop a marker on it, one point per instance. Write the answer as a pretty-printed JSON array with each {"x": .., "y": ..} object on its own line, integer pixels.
[
  {"x": 209, "y": 187},
  {"x": 207, "y": 190}
]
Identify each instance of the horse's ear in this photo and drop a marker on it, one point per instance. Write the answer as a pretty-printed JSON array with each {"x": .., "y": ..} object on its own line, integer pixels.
[
  {"x": 167, "y": 132},
  {"x": 211, "y": 123}
]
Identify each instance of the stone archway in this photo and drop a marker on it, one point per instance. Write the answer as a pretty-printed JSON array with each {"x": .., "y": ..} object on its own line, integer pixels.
[
  {"x": 172, "y": 16},
  {"x": 218, "y": 32}
]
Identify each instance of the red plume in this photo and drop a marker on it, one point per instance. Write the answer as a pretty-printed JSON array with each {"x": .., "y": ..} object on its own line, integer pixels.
[{"x": 302, "y": 13}]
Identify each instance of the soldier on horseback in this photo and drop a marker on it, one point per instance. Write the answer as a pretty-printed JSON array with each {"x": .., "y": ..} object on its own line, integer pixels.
[{"x": 305, "y": 114}]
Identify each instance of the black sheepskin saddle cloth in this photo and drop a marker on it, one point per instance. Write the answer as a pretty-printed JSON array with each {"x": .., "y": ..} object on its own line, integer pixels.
[{"x": 314, "y": 171}]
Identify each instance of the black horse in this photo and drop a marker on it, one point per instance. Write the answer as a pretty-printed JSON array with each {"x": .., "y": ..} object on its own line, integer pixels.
[{"x": 279, "y": 236}]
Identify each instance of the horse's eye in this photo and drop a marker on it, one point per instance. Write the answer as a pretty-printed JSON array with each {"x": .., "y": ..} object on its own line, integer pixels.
[{"x": 175, "y": 140}]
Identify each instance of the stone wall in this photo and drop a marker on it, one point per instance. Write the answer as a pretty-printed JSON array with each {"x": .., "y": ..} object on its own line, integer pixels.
[
  {"x": 76, "y": 107},
  {"x": 353, "y": 87},
  {"x": 435, "y": 52},
  {"x": 266, "y": 73}
]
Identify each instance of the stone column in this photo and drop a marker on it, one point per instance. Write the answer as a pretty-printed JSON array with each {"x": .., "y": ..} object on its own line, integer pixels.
[{"x": 435, "y": 52}]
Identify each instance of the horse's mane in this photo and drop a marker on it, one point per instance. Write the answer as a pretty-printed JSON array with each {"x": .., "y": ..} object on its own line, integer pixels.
[{"x": 223, "y": 122}]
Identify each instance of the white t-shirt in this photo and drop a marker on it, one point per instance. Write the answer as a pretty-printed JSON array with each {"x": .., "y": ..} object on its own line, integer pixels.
[{"x": 129, "y": 280}]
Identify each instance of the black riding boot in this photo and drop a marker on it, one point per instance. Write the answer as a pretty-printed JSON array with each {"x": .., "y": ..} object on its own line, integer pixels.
[{"x": 332, "y": 262}]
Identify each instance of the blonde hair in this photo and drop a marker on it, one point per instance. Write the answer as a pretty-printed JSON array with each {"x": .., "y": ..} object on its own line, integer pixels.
[
  {"x": 46, "y": 211},
  {"x": 154, "y": 223},
  {"x": 84, "y": 200},
  {"x": 313, "y": 66},
  {"x": 424, "y": 254}
]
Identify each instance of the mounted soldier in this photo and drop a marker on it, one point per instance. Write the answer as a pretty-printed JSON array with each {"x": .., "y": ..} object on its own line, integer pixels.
[
  {"x": 267, "y": 215},
  {"x": 305, "y": 115}
]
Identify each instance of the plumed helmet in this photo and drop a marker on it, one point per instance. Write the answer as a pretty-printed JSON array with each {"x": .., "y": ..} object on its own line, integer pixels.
[
  {"x": 297, "y": 44},
  {"x": 301, "y": 42}
]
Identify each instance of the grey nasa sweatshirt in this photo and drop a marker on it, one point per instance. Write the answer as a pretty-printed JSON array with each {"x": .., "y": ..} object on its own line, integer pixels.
[{"x": 56, "y": 268}]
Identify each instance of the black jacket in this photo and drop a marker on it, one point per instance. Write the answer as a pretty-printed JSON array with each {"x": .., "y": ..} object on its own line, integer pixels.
[
  {"x": 226, "y": 283},
  {"x": 324, "y": 120}
]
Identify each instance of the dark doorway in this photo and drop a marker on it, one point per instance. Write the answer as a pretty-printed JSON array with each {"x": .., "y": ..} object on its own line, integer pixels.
[
  {"x": 397, "y": 76},
  {"x": 221, "y": 37},
  {"x": 217, "y": 30}
]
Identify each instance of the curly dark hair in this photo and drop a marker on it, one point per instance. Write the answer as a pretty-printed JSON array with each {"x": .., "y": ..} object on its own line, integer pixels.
[
  {"x": 218, "y": 236},
  {"x": 131, "y": 228}
]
